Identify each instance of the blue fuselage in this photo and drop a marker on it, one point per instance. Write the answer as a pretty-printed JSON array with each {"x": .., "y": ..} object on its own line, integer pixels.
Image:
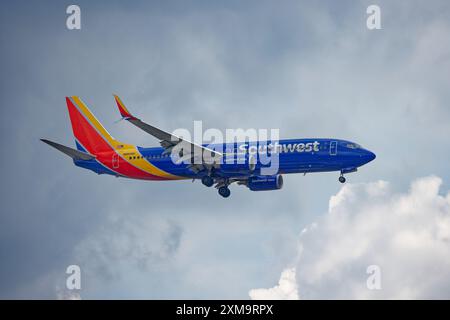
[{"x": 294, "y": 156}]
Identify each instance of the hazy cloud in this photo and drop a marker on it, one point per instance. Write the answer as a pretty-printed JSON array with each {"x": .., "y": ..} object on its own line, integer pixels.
[{"x": 139, "y": 242}]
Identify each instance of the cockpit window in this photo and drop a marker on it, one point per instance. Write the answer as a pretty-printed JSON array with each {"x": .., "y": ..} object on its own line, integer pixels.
[{"x": 353, "y": 146}]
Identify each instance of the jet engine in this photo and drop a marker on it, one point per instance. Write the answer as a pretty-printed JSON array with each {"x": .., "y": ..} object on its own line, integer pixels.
[{"x": 265, "y": 183}]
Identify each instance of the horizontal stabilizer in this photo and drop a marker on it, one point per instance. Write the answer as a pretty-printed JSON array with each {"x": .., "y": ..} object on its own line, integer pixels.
[{"x": 73, "y": 153}]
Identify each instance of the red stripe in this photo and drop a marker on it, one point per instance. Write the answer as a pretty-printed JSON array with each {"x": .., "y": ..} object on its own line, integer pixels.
[
  {"x": 95, "y": 144},
  {"x": 88, "y": 138},
  {"x": 122, "y": 111}
]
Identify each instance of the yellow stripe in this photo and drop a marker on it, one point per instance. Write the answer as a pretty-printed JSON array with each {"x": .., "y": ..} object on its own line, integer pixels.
[
  {"x": 143, "y": 164},
  {"x": 122, "y": 105},
  {"x": 85, "y": 110}
]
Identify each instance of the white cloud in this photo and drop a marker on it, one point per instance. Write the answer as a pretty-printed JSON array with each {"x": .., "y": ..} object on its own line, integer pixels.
[
  {"x": 285, "y": 290},
  {"x": 406, "y": 234}
]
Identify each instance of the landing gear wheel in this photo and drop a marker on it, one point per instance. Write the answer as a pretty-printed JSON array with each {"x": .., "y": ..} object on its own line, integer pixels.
[
  {"x": 342, "y": 179},
  {"x": 224, "y": 192},
  {"x": 207, "y": 181}
]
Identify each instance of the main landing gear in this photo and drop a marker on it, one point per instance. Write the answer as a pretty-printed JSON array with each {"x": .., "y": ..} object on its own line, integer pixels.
[
  {"x": 224, "y": 191},
  {"x": 222, "y": 185},
  {"x": 207, "y": 181},
  {"x": 342, "y": 178}
]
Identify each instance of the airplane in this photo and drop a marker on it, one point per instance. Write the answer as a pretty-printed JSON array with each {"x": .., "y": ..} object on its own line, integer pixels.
[{"x": 98, "y": 151}]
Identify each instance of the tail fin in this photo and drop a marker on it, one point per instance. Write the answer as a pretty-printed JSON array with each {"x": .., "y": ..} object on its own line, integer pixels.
[{"x": 89, "y": 133}]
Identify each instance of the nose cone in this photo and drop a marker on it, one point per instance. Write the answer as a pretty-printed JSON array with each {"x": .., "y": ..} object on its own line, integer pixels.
[{"x": 369, "y": 156}]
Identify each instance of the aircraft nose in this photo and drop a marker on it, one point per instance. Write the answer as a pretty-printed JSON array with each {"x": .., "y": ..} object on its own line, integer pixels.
[{"x": 370, "y": 156}]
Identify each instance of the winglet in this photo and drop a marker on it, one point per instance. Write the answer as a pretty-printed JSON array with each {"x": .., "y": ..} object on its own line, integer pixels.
[{"x": 123, "y": 110}]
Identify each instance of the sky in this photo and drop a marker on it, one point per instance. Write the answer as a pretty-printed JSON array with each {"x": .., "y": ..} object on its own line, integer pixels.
[{"x": 309, "y": 68}]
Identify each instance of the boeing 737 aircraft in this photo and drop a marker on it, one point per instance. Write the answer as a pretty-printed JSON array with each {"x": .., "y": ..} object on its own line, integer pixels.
[{"x": 96, "y": 150}]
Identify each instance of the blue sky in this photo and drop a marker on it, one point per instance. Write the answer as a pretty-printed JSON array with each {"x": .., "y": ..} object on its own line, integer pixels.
[{"x": 310, "y": 68}]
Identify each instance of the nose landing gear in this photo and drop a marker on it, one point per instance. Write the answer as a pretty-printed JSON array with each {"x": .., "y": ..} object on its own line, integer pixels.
[{"x": 342, "y": 178}]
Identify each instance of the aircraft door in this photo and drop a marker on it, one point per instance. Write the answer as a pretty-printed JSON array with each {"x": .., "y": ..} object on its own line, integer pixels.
[
  {"x": 333, "y": 148},
  {"x": 115, "y": 160}
]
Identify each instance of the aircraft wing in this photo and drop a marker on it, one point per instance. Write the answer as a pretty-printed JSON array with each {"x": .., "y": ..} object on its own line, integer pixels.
[{"x": 168, "y": 141}]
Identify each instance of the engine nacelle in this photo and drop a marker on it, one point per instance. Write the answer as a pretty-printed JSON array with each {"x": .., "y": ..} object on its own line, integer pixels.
[
  {"x": 265, "y": 183},
  {"x": 243, "y": 163}
]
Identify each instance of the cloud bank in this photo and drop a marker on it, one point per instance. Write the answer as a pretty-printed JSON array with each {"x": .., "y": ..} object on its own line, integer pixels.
[{"x": 407, "y": 235}]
